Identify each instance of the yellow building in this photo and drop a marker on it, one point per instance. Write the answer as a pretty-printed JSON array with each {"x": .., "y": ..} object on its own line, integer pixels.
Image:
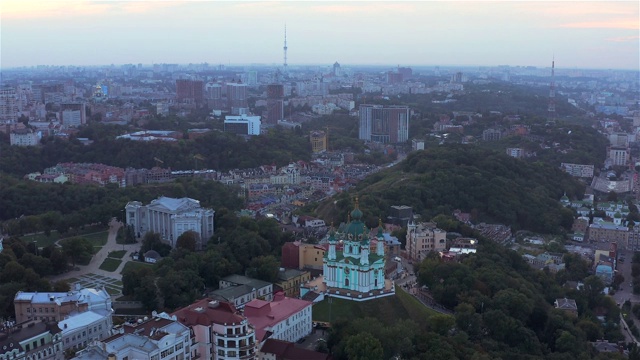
[
  {"x": 318, "y": 141},
  {"x": 290, "y": 280},
  {"x": 310, "y": 256}
]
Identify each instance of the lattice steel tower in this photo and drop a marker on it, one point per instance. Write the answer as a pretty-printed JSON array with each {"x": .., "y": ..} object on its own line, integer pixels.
[
  {"x": 285, "y": 49},
  {"x": 552, "y": 93}
]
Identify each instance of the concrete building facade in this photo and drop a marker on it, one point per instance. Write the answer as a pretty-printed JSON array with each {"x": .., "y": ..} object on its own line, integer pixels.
[{"x": 171, "y": 217}]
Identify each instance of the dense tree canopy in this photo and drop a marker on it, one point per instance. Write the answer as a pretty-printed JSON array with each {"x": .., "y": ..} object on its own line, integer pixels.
[{"x": 492, "y": 186}]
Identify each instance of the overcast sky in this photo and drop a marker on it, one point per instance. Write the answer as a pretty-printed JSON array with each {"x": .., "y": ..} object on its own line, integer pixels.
[{"x": 580, "y": 34}]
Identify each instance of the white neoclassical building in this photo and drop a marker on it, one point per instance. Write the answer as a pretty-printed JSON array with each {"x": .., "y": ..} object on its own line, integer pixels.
[{"x": 171, "y": 217}]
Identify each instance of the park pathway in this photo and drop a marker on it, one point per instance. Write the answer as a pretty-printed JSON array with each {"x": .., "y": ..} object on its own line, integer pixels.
[{"x": 101, "y": 255}]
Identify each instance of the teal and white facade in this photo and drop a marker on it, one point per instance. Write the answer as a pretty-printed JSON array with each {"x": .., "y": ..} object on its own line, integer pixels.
[{"x": 357, "y": 271}]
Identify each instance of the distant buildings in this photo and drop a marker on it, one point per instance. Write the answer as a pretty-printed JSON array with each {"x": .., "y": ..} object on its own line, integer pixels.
[
  {"x": 577, "y": 170},
  {"x": 190, "y": 90},
  {"x": 171, "y": 217},
  {"x": 73, "y": 114},
  {"x": 8, "y": 106},
  {"x": 417, "y": 144},
  {"x": 619, "y": 155},
  {"x": 318, "y": 141},
  {"x": 492, "y": 134},
  {"x": 237, "y": 98},
  {"x": 25, "y": 137},
  {"x": 275, "y": 104},
  {"x": 242, "y": 125},
  {"x": 515, "y": 152},
  {"x": 384, "y": 124}
]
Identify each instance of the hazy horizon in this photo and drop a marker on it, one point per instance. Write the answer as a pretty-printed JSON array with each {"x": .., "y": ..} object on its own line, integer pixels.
[{"x": 578, "y": 34}]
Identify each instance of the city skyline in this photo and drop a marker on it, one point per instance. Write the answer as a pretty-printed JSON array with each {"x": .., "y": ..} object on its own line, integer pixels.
[{"x": 579, "y": 34}]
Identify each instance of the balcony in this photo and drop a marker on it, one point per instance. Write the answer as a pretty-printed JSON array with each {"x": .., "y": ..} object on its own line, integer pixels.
[
  {"x": 247, "y": 346},
  {"x": 248, "y": 356}
]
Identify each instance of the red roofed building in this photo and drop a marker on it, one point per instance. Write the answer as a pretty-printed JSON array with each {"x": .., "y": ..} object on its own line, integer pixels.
[
  {"x": 283, "y": 350},
  {"x": 283, "y": 318},
  {"x": 220, "y": 331}
]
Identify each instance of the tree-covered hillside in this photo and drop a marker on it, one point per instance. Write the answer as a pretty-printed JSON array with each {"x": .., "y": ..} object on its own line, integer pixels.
[
  {"x": 220, "y": 151},
  {"x": 491, "y": 186}
]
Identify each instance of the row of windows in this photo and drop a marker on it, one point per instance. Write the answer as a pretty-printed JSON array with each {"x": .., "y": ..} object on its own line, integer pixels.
[{"x": 46, "y": 310}]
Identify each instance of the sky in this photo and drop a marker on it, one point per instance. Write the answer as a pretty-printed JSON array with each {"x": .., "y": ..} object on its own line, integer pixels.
[{"x": 577, "y": 34}]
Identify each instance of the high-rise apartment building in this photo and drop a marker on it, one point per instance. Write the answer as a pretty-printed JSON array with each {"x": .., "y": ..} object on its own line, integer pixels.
[
  {"x": 190, "y": 89},
  {"x": 384, "y": 124},
  {"x": 214, "y": 96},
  {"x": 236, "y": 97},
  {"x": 275, "y": 103},
  {"x": 8, "y": 106}
]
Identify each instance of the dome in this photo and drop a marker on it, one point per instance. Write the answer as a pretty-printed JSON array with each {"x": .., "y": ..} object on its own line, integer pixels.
[
  {"x": 617, "y": 215},
  {"x": 356, "y": 229},
  {"x": 356, "y": 213}
]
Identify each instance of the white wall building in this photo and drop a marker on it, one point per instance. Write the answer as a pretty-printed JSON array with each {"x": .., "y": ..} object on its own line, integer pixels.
[
  {"x": 161, "y": 337},
  {"x": 25, "y": 137},
  {"x": 285, "y": 318},
  {"x": 242, "y": 124},
  {"x": 170, "y": 218},
  {"x": 81, "y": 329}
]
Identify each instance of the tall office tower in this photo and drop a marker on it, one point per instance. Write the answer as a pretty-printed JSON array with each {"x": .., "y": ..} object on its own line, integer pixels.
[
  {"x": 252, "y": 77},
  {"x": 285, "y": 50},
  {"x": 214, "y": 96},
  {"x": 190, "y": 89},
  {"x": 394, "y": 77},
  {"x": 73, "y": 114},
  {"x": 275, "y": 103},
  {"x": 407, "y": 72},
  {"x": 236, "y": 97},
  {"x": 8, "y": 105},
  {"x": 384, "y": 124},
  {"x": 552, "y": 93}
]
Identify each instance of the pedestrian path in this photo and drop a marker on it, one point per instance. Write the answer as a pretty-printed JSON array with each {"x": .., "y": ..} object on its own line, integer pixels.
[{"x": 91, "y": 275}]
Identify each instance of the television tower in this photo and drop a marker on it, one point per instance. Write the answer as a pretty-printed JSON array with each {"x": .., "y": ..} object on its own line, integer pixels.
[
  {"x": 552, "y": 93},
  {"x": 285, "y": 49}
]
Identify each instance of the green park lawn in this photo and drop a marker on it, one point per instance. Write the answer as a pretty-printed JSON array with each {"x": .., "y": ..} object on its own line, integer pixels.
[
  {"x": 41, "y": 239},
  {"x": 110, "y": 264},
  {"x": 134, "y": 265},
  {"x": 118, "y": 254}
]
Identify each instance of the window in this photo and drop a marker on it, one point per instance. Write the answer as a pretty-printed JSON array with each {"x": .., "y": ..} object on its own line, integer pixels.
[{"x": 28, "y": 310}]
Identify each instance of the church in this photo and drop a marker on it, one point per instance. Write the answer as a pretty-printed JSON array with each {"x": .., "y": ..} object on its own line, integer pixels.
[{"x": 352, "y": 268}]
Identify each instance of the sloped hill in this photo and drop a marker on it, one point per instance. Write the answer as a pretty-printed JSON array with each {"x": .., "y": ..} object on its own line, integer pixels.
[{"x": 491, "y": 186}]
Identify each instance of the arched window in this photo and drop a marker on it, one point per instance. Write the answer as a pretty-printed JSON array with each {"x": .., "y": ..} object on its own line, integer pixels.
[{"x": 346, "y": 282}]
